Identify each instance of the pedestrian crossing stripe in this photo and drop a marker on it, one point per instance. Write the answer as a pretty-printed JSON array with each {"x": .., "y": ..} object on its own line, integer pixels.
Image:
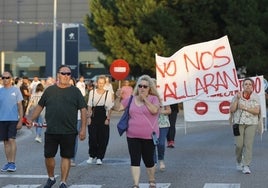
[
  {"x": 21, "y": 186},
  {"x": 221, "y": 185},
  {"x": 142, "y": 185},
  {"x": 24, "y": 176}
]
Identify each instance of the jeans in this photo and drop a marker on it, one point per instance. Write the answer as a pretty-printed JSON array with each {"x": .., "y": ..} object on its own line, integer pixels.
[
  {"x": 40, "y": 121},
  {"x": 160, "y": 150},
  {"x": 76, "y": 140}
]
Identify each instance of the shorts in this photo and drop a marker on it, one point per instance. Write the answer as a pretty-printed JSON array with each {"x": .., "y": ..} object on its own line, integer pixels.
[
  {"x": 66, "y": 142},
  {"x": 8, "y": 129}
]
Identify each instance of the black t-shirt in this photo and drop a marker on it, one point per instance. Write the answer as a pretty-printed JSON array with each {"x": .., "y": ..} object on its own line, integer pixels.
[
  {"x": 62, "y": 105},
  {"x": 174, "y": 108}
]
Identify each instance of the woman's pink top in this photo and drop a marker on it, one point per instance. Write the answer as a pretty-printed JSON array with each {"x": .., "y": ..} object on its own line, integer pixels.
[{"x": 141, "y": 122}]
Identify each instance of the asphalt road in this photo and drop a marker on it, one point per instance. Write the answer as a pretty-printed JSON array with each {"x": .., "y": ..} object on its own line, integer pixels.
[{"x": 202, "y": 158}]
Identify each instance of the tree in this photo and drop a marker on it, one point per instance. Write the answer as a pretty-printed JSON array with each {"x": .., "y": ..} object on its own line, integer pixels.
[{"x": 135, "y": 30}]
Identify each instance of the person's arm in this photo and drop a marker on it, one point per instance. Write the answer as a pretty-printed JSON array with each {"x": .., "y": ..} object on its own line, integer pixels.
[
  {"x": 20, "y": 112},
  {"x": 82, "y": 132},
  {"x": 37, "y": 110},
  {"x": 117, "y": 102},
  {"x": 151, "y": 107},
  {"x": 166, "y": 110},
  {"x": 234, "y": 103}
]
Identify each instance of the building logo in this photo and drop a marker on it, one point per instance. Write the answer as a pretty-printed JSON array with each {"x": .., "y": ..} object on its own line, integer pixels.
[{"x": 71, "y": 36}]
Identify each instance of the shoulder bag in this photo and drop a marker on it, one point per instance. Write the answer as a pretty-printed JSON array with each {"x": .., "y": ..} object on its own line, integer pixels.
[{"x": 122, "y": 125}]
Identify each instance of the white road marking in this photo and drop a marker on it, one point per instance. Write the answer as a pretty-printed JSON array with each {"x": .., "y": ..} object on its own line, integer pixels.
[
  {"x": 221, "y": 185},
  {"x": 142, "y": 185},
  {"x": 23, "y": 176},
  {"x": 85, "y": 186},
  {"x": 21, "y": 186},
  {"x": 158, "y": 185}
]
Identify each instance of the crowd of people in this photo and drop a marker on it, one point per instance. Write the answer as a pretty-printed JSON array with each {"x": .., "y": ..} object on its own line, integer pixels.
[{"x": 66, "y": 107}]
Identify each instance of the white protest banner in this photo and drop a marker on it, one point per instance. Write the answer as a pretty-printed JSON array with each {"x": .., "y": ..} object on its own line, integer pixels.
[
  {"x": 200, "y": 69},
  {"x": 216, "y": 107}
]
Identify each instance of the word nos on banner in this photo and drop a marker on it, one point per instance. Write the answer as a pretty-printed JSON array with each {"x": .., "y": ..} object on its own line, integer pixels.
[{"x": 201, "y": 69}]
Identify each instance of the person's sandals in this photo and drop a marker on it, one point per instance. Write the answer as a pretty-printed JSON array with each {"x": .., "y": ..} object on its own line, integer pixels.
[
  {"x": 152, "y": 184},
  {"x": 135, "y": 186}
]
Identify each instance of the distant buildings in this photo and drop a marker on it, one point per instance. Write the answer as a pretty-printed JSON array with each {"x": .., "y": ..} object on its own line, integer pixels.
[{"x": 26, "y": 35}]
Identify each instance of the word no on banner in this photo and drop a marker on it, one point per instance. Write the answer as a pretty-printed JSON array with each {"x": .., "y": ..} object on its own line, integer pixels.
[{"x": 201, "y": 69}]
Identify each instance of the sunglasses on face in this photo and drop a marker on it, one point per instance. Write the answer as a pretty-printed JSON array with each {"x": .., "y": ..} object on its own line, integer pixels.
[
  {"x": 65, "y": 73},
  {"x": 143, "y": 86},
  {"x": 5, "y": 77}
]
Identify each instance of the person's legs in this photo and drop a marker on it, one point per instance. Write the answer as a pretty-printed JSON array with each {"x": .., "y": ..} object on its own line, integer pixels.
[
  {"x": 65, "y": 168},
  {"x": 76, "y": 143},
  {"x": 134, "y": 148},
  {"x": 135, "y": 172},
  {"x": 172, "y": 129},
  {"x": 148, "y": 149},
  {"x": 250, "y": 132},
  {"x": 10, "y": 149},
  {"x": 103, "y": 140},
  {"x": 92, "y": 130},
  {"x": 239, "y": 144},
  {"x": 161, "y": 147},
  {"x": 50, "y": 166},
  {"x": 67, "y": 144}
]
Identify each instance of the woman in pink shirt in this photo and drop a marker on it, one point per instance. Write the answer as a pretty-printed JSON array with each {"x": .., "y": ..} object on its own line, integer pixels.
[
  {"x": 143, "y": 126},
  {"x": 126, "y": 90}
]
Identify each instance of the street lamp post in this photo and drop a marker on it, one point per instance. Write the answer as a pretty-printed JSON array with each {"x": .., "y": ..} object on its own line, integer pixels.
[{"x": 54, "y": 40}]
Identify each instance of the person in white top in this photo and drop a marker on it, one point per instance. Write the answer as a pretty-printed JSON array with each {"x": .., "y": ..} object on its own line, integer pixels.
[
  {"x": 81, "y": 85},
  {"x": 108, "y": 86},
  {"x": 33, "y": 84}
]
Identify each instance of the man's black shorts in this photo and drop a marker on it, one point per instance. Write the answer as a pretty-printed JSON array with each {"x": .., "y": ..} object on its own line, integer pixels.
[
  {"x": 65, "y": 141},
  {"x": 8, "y": 129}
]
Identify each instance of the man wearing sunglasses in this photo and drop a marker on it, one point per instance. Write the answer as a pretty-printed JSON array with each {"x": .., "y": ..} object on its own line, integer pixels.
[
  {"x": 62, "y": 102},
  {"x": 10, "y": 110}
]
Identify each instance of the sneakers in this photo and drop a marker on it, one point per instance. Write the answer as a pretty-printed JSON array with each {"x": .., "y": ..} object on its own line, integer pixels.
[
  {"x": 38, "y": 139},
  {"x": 63, "y": 185},
  {"x": 5, "y": 167},
  {"x": 9, "y": 167},
  {"x": 90, "y": 160},
  {"x": 239, "y": 166},
  {"x": 162, "y": 165},
  {"x": 73, "y": 163},
  {"x": 99, "y": 162},
  {"x": 246, "y": 170},
  {"x": 50, "y": 183},
  {"x": 171, "y": 144}
]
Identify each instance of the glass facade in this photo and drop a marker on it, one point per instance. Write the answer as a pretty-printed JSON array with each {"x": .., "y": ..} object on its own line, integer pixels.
[{"x": 26, "y": 35}]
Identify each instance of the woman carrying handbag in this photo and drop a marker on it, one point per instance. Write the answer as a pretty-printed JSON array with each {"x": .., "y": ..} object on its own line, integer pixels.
[{"x": 245, "y": 107}]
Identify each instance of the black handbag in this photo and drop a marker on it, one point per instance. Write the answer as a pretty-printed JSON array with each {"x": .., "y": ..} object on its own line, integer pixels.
[
  {"x": 122, "y": 125},
  {"x": 236, "y": 129}
]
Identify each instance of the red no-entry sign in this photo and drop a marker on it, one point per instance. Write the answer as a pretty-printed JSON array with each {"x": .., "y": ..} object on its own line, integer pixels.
[
  {"x": 119, "y": 69},
  {"x": 201, "y": 108},
  {"x": 224, "y": 107}
]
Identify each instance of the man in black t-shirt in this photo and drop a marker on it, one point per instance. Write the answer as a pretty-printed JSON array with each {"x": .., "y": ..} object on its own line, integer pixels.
[{"x": 62, "y": 102}]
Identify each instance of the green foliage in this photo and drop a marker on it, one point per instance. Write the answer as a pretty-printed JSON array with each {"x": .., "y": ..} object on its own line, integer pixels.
[{"x": 135, "y": 30}]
